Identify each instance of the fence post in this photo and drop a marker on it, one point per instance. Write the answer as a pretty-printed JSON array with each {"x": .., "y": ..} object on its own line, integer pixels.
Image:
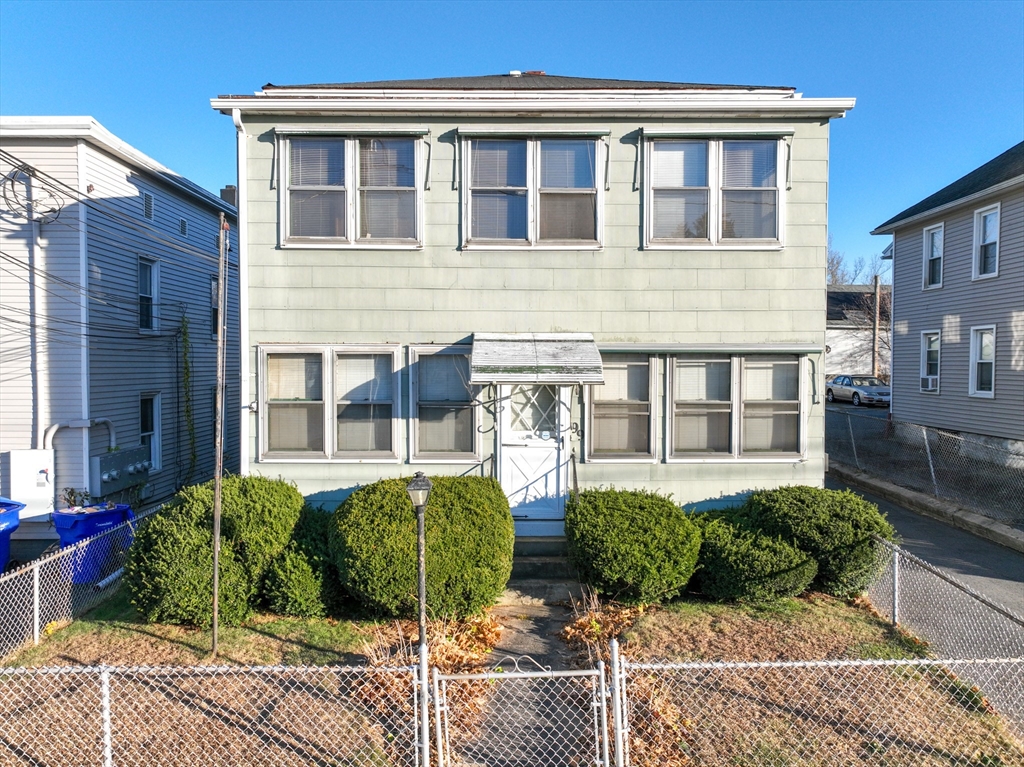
[
  {"x": 931, "y": 466},
  {"x": 853, "y": 442},
  {"x": 616, "y": 704},
  {"x": 108, "y": 758},
  {"x": 438, "y": 739},
  {"x": 895, "y": 587},
  {"x": 35, "y": 603}
]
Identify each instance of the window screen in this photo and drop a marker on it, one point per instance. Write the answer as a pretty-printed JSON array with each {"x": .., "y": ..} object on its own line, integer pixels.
[
  {"x": 444, "y": 404},
  {"x": 295, "y": 419},
  {"x": 387, "y": 188},
  {"x": 568, "y": 193},
  {"x": 622, "y": 407},
  {"x": 363, "y": 399},
  {"x": 679, "y": 185},
  {"x": 703, "y": 406},
  {"x": 499, "y": 190},
  {"x": 749, "y": 193},
  {"x": 771, "y": 406}
]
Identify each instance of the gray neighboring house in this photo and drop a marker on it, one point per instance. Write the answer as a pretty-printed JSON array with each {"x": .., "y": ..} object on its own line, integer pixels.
[
  {"x": 543, "y": 279},
  {"x": 849, "y": 329},
  {"x": 104, "y": 253},
  {"x": 958, "y": 304}
]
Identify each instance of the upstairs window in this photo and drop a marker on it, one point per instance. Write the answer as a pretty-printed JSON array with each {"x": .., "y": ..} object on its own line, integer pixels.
[
  {"x": 147, "y": 274},
  {"x": 704, "y": 192},
  {"x": 295, "y": 403},
  {"x": 352, "y": 191},
  {"x": 983, "y": 362},
  {"x": 986, "y": 242},
  {"x": 533, "y": 192},
  {"x": 933, "y": 257}
]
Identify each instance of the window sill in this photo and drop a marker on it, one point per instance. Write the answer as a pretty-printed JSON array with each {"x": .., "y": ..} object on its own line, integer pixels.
[
  {"x": 707, "y": 245},
  {"x": 982, "y": 394},
  {"x": 928, "y": 391},
  {"x": 536, "y": 246},
  {"x": 932, "y": 287},
  {"x": 982, "y": 277},
  {"x": 746, "y": 459},
  {"x": 347, "y": 245}
]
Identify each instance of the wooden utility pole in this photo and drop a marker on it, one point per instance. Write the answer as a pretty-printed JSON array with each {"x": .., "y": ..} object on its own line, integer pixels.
[
  {"x": 874, "y": 334},
  {"x": 218, "y": 418}
]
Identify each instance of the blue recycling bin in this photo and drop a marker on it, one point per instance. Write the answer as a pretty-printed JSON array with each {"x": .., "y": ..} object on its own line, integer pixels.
[
  {"x": 74, "y": 525},
  {"x": 9, "y": 521}
]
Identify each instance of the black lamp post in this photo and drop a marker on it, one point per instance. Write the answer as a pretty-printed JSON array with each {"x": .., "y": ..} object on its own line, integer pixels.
[{"x": 419, "y": 491}]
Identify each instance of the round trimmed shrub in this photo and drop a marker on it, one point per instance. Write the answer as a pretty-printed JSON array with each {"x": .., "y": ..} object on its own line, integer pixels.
[
  {"x": 469, "y": 537},
  {"x": 169, "y": 571},
  {"x": 632, "y": 545},
  {"x": 303, "y": 581},
  {"x": 833, "y": 526},
  {"x": 742, "y": 565}
]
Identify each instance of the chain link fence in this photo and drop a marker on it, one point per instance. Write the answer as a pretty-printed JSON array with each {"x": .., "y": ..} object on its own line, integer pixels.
[
  {"x": 55, "y": 589},
  {"x": 230, "y": 716},
  {"x": 981, "y": 477}
]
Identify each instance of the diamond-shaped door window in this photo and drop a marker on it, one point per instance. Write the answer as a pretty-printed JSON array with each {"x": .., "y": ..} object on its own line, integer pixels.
[{"x": 534, "y": 408}]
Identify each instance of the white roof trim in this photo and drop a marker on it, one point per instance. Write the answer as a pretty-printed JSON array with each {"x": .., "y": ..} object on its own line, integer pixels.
[
  {"x": 535, "y": 358},
  {"x": 353, "y": 130},
  {"x": 88, "y": 129},
  {"x": 656, "y": 348}
]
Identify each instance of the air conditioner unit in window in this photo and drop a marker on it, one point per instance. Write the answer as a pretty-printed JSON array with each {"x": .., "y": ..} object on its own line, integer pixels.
[{"x": 929, "y": 383}]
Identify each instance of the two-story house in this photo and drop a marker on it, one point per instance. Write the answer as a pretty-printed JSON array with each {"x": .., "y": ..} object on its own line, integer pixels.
[
  {"x": 958, "y": 304},
  {"x": 549, "y": 280},
  {"x": 108, "y": 317}
]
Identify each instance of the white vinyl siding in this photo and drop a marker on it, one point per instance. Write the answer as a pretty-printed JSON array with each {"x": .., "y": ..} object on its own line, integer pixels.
[
  {"x": 622, "y": 418},
  {"x": 986, "y": 242},
  {"x": 337, "y": 186},
  {"x": 933, "y": 251},
  {"x": 533, "y": 192},
  {"x": 445, "y": 414},
  {"x": 930, "y": 352},
  {"x": 983, "y": 362}
]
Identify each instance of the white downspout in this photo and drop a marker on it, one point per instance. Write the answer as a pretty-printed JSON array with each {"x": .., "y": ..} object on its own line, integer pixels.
[{"x": 243, "y": 296}]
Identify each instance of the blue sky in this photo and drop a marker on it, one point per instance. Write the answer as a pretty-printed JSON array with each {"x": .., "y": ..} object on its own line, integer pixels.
[{"x": 939, "y": 85}]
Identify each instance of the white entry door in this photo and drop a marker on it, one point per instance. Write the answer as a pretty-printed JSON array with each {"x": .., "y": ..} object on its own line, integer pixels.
[{"x": 533, "y": 456}]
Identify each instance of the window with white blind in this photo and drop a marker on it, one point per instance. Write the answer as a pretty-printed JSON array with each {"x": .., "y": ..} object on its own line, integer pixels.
[
  {"x": 771, "y": 405},
  {"x": 933, "y": 256},
  {"x": 621, "y": 416},
  {"x": 713, "y": 191},
  {"x": 444, "y": 414},
  {"x": 358, "y": 190},
  {"x": 702, "y": 406},
  {"x": 532, "y": 191},
  {"x": 306, "y": 388},
  {"x": 983, "y": 362},
  {"x": 986, "y": 242}
]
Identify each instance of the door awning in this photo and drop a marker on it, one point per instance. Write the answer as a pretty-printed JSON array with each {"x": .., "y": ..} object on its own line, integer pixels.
[{"x": 539, "y": 358}]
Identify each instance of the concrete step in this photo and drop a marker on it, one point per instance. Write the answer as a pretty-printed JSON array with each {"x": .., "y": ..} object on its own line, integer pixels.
[
  {"x": 541, "y": 592},
  {"x": 540, "y": 546},
  {"x": 533, "y": 568}
]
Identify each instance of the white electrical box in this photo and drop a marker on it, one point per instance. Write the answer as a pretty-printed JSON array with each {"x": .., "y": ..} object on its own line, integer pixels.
[{"x": 28, "y": 479}]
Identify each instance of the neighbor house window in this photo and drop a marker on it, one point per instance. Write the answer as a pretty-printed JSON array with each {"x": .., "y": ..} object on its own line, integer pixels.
[
  {"x": 983, "y": 362},
  {"x": 713, "y": 191},
  {"x": 359, "y": 190},
  {"x": 771, "y": 405},
  {"x": 933, "y": 257},
  {"x": 149, "y": 426},
  {"x": 621, "y": 413},
  {"x": 147, "y": 272},
  {"x": 214, "y": 306},
  {"x": 445, "y": 415},
  {"x": 930, "y": 342},
  {"x": 702, "y": 406},
  {"x": 525, "y": 191},
  {"x": 986, "y": 242}
]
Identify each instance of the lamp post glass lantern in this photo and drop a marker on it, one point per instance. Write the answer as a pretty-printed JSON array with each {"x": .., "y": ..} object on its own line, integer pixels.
[{"x": 419, "y": 491}]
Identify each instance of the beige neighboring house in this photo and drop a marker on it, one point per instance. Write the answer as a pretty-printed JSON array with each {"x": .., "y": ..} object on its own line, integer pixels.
[
  {"x": 549, "y": 280},
  {"x": 958, "y": 305}
]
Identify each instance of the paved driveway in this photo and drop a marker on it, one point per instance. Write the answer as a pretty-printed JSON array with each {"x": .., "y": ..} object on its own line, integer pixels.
[{"x": 995, "y": 571}]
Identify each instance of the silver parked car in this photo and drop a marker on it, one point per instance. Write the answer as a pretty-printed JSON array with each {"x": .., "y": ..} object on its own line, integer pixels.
[{"x": 860, "y": 390}]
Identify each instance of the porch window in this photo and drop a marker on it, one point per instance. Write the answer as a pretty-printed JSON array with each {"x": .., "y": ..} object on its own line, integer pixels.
[
  {"x": 445, "y": 412},
  {"x": 771, "y": 405},
  {"x": 621, "y": 408},
  {"x": 702, "y": 406},
  {"x": 363, "y": 403},
  {"x": 295, "y": 403}
]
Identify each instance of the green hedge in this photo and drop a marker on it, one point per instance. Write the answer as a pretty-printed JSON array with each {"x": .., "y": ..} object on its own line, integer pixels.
[
  {"x": 743, "y": 565},
  {"x": 632, "y": 545},
  {"x": 469, "y": 537},
  {"x": 303, "y": 580},
  {"x": 833, "y": 526},
  {"x": 170, "y": 564}
]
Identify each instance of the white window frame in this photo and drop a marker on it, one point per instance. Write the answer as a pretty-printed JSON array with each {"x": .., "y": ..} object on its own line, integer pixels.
[
  {"x": 715, "y": 195},
  {"x": 924, "y": 361},
  {"x": 736, "y": 453},
  {"x": 976, "y": 260},
  {"x": 330, "y": 454},
  {"x": 416, "y": 353},
  {"x": 926, "y": 254},
  {"x": 976, "y": 332},
  {"x": 156, "y": 449},
  {"x": 653, "y": 379},
  {"x": 533, "y": 177},
  {"x": 352, "y": 240},
  {"x": 154, "y": 295}
]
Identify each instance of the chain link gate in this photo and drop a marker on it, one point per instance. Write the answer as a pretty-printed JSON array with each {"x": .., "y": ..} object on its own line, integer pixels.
[{"x": 521, "y": 718}]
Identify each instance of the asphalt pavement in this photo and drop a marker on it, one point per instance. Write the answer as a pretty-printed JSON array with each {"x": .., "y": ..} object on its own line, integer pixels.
[
  {"x": 994, "y": 570},
  {"x": 849, "y": 407}
]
